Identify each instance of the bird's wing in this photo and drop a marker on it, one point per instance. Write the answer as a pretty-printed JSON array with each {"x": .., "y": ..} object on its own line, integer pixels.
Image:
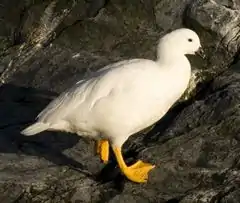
[
  {"x": 59, "y": 107},
  {"x": 73, "y": 97}
]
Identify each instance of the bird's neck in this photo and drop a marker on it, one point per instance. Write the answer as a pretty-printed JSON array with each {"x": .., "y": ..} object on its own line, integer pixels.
[
  {"x": 172, "y": 60},
  {"x": 177, "y": 71}
]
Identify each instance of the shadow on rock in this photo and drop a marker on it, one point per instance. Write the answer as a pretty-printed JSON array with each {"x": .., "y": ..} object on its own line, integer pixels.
[{"x": 18, "y": 108}]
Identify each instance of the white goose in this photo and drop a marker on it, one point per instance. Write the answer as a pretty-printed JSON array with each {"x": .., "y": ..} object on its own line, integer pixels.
[{"x": 123, "y": 98}]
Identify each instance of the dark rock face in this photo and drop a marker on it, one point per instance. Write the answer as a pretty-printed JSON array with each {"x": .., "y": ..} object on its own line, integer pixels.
[
  {"x": 47, "y": 46},
  {"x": 218, "y": 21}
]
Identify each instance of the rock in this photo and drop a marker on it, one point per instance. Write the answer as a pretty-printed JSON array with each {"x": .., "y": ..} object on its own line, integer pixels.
[
  {"x": 218, "y": 24},
  {"x": 2, "y": 67},
  {"x": 10, "y": 13},
  {"x": 195, "y": 146},
  {"x": 169, "y": 14}
]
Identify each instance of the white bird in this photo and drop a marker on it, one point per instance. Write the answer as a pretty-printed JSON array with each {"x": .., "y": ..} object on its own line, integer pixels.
[{"x": 123, "y": 98}]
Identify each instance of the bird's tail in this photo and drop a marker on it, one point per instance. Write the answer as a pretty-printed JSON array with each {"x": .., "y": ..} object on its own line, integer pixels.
[{"x": 35, "y": 129}]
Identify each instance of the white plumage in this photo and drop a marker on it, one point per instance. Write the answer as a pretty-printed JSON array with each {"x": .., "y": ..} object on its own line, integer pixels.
[{"x": 125, "y": 97}]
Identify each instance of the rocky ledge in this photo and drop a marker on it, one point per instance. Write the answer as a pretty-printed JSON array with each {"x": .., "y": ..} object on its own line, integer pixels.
[{"x": 45, "y": 46}]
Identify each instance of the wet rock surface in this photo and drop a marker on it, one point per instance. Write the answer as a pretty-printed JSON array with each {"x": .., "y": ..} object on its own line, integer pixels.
[{"x": 196, "y": 146}]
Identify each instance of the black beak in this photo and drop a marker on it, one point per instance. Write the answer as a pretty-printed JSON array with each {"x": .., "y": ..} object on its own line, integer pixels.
[{"x": 201, "y": 53}]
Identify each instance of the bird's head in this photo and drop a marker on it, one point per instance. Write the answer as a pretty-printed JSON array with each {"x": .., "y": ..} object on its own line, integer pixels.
[{"x": 180, "y": 42}]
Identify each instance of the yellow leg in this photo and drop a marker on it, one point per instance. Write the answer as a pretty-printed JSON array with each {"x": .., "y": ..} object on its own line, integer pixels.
[
  {"x": 137, "y": 172},
  {"x": 103, "y": 150}
]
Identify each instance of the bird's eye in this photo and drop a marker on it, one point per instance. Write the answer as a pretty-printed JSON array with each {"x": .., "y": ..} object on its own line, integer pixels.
[{"x": 190, "y": 40}]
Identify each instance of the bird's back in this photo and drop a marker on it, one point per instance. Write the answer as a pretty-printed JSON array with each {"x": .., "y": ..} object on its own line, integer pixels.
[{"x": 72, "y": 98}]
